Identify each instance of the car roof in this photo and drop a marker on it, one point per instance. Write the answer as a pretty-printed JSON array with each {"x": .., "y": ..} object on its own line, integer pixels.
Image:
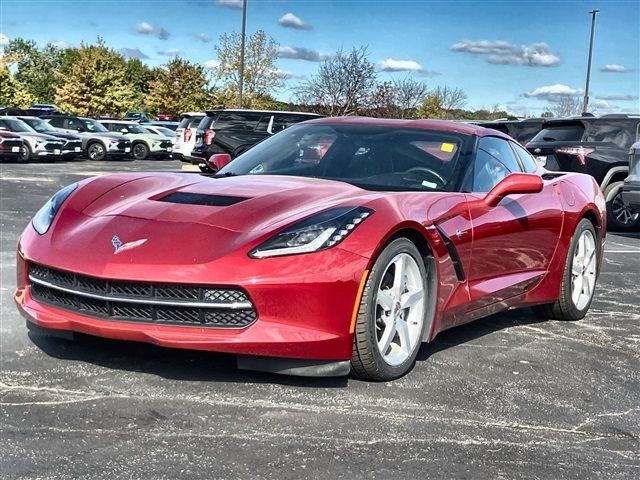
[
  {"x": 439, "y": 125},
  {"x": 123, "y": 122},
  {"x": 244, "y": 110}
]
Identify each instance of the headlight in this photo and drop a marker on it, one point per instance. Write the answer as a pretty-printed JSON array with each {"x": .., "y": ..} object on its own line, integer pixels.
[
  {"x": 316, "y": 233},
  {"x": 42, "y": 220}
]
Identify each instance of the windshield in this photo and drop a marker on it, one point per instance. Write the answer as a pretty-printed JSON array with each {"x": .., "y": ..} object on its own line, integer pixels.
[
  {"x": 133, "y": 128},
  {"x": 370, "y": 157},
  {"x": 167, "y": 132},
  {"x": 39, "y": 125},
  {"x": 15, "y": 125},
  {"x": 92, "y": 126}
]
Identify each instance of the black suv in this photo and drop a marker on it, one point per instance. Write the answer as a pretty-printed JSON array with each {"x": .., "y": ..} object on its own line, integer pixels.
[
  {"x": 236, "y": 131},
  {"x": 631, "y": 187},
  {"x": 521, "y": 130},
  {"x": 597, "y": 146}
]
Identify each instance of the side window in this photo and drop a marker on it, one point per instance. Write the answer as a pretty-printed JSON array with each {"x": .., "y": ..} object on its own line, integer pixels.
[
  {"x": 72, "y": 124},
  {"x": 620, "y": 133},
  {"x": 638, "y": 132},
  {"x": 264, "y": 123},
  {"x": 284, "y": 121},
  {"x": 527, "y": 160},
  {"x": 494, "y": 160},
  {"x": 57, "y": 122}
]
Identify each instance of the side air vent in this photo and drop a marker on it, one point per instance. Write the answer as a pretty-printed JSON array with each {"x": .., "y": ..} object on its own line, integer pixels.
[
  {"x": 551, "y": 176},
  {"x": 453, "y": 253},
  {"x": 187, "y": 198}
]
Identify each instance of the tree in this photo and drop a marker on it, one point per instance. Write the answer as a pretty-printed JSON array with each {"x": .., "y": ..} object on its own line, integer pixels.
[
  {"x": 547, "y": 114},
  {"x": 36, "y": 68},
  {"x": 343, "y": 85},
  {"x": 441, "y": 101},
  {"x": 260, "y": 75},
  {"x": 566, "y": 106},
  {"x": 179, "y": 86},
  {"x": 95, "y": 83},
  {"x": 13, "y": 92},
  {"x": 397, "y": 98},
  {"x": 139, "y": 76}
]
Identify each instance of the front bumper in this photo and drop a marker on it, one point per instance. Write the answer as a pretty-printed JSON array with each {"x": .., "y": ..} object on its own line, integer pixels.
[{"x": 302, "y": 314}]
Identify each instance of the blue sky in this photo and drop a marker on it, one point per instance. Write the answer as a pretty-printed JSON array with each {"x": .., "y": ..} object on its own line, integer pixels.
[{"x": 515, "y": 54}]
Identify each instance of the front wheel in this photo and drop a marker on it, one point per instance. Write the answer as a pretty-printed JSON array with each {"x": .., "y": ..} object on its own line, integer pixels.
[
  {"x": 96, "y": 151},
  {"x": 619, "y": 217},
  {"x": 579, "y": 277},
  {"x": 391, "y": 317},
  {"x": 140, "y": 151},
  {"x": 25, "y": 153}
]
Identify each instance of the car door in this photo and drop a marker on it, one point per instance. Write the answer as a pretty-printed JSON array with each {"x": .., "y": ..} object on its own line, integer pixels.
[{"x": 514, "y": 242}]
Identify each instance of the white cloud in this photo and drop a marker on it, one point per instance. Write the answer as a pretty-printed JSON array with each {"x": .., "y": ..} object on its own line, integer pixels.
[
  {"x": 614, "y": 68},
  {"x": 203, "y": 37},
  {"x": 133, "y": 53},
  {"x": 234, "y": 4},
  {"x": 60, "y": 44},
  {"x": 145, "y": 28},
  {"x": 392, "y": 65},
  {"x": 623, "y": 98},
  {"x": 4, "y": 40},
  {"x": 290, "y": 20},
  {"x": 211, "y": 64},
  {"x": 171, "y": 52},
  {"x": 504, "y": 53},
  {"x": 554, "y": 91},
  {"x": 300, "y": 53}
]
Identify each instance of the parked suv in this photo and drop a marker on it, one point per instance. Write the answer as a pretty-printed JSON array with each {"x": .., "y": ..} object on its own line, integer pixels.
[
  {"x": 236, "y": 131},
  {"x": 136, "y": 117},
  {"x": 631, "y": 187},
  {"x": 597, "y": 146},
  {"x": 72, "y": 146},
  {"x": 144, "y": 143},
  {"x": 36, "y": 145},
  {"x": 185, "y": 137},
  {"x": 521, "y": 130},
  {"x": 98, "y": 143},
  {"x": 11, "y": 147}
]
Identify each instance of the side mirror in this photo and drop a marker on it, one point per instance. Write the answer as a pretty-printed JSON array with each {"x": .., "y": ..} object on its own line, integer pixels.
[
  {"x": 124, "y": 130},
  {"x": 513, "y": 184},
  {"x": 218, "y": 160}
]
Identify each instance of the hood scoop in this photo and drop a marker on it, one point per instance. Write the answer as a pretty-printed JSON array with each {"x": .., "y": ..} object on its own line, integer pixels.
[{"x": 188, "y": 198}]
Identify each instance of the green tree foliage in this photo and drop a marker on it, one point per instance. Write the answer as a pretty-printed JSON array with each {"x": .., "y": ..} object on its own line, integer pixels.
[
  {"x": 93, "y": 83},
  {"x": 139, "y": 76},
  {"x": 36, "y": 68},
  {"x": 178, "y": 86},
  {"x": 261, "y": 77},
  {"x": 13, "y": 92}
]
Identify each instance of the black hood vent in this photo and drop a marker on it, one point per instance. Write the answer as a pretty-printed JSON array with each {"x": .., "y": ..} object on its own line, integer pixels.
[{"x": 202, "y": 199}]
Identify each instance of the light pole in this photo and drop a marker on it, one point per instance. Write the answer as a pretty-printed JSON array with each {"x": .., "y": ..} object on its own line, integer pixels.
[
  {"x": 585, "y": 103},
  {"x": 244, "y": 26}
]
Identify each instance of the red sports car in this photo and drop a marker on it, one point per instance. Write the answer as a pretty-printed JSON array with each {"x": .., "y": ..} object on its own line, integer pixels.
[{"x": 338, "y": 245}]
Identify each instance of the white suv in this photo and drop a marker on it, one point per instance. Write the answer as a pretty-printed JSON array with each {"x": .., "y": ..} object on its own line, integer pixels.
[{"x": 185, "y": 137}]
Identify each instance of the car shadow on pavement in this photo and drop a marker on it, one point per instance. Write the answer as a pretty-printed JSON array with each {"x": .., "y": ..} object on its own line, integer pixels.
[
  {"x": 478, "y": 328},
  {"x": 192, "y": 365}
]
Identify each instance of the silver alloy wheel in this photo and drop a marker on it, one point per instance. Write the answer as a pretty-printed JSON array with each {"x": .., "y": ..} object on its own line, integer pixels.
[
  {"x": 399, "y": 309},
  {"x": 583, "y": 270},
  {"x": 139, "y": 151},
  {"x": 96, "y": 151},
  {"x": 621, "y": 212}
]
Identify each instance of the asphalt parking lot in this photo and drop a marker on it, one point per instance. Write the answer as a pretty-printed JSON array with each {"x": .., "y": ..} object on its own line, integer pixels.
[{"x": 510, "y": 396}]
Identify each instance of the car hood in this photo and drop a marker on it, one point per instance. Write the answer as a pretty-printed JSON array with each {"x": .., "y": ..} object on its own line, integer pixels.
[
  {"x": 40, "y": 136},
  {"x": 152, "y": 137},
  {"x": 115, "y": 136},
  {"x": 174, "y": 231},
  {"x": 64, "y": 135},
  {"x": 240, "y": 204}
]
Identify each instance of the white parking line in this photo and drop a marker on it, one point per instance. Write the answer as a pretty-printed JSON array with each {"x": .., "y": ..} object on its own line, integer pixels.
[{"x": 622, "y": 251}]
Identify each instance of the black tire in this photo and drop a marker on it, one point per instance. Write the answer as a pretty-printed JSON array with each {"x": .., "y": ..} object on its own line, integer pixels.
[
  {"x": 96, "y": 151},
  {"x": 619, "y": 217},
  {"x": 366, "y": 361},
  {"x": 140, "y": 151},
  {"x": 25, "y": 153},
  {"x": 564, "y": 308}
]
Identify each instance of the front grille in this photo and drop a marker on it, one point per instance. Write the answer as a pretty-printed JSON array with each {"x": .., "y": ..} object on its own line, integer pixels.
[
  {"x": 51, "y": 146},
  {"x": 205, "y": 306},
  {"x": 165, "y": 144},
  {"x": 9, "y": 144},
  {"x": 123, "y": 144},
  {"x": 72, "y": 144}
]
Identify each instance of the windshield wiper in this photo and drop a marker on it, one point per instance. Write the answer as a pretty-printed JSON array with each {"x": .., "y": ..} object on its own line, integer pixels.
[{"x": 225, "y": 174}]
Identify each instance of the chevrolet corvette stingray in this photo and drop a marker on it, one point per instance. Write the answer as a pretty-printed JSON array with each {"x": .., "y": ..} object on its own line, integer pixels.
[{"x": 338, "y": 245}]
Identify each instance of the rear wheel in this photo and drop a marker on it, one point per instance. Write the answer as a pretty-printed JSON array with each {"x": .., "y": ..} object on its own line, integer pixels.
[
  {"x": 619, "y": 217},
  {"x": 25, "y": 153},
  {"x": 579, "y": 278},
  {"x": 390, "y": 323}
]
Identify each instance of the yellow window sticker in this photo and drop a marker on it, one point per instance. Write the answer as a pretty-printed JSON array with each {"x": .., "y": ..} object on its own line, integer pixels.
[{"x": 447, "y": 147}]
